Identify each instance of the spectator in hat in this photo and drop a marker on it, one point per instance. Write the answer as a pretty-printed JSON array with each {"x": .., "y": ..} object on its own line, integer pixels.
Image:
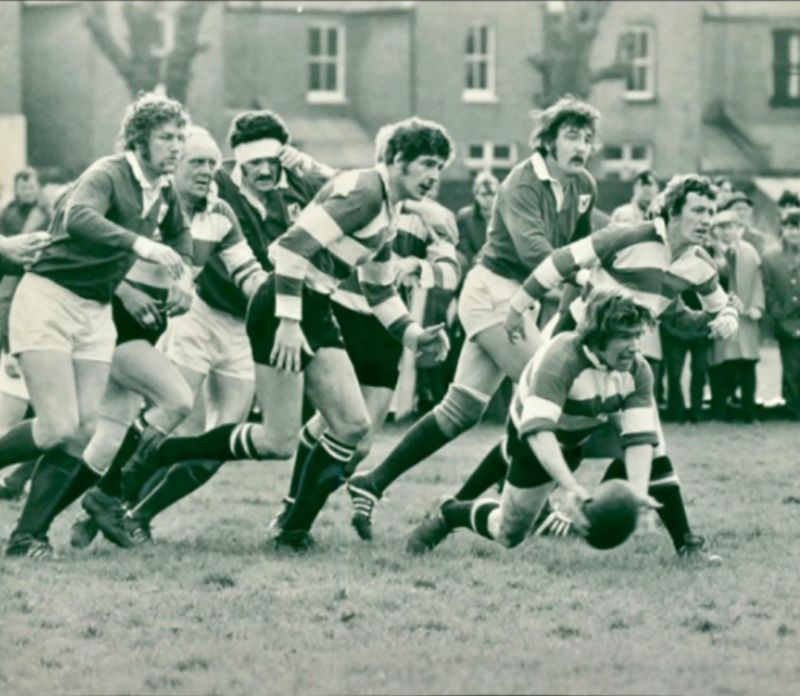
[
  {"x": 787, "y": 201},
  {"x": 645, "y": 189},
  {"x": 742, "y": 205},
  {"x": 733, "y": 360},
  {"x": 781, "y": 271}
]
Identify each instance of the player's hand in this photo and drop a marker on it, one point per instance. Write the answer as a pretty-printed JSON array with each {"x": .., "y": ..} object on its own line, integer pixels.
[
  {"x": 290, "y": 344},
  {"x": 437, "y": 217},
  {"x": 514, "y": 326},
  {"x": 161, "y": 254},
  {"x": 408, "y": 270},
  {"x": 147, "y": 311},
  {"x": 573, "y": 507},
  {"x": 433, "y": 343},
  {"x": 24, "y": 248},
  {"x": 724, "y": 327},
  {"x": 292, "y": 158},
  {"x": 647, "y": 501},
  {"x": 12, "y": 367},
  {"x": 180, "y": 295}
]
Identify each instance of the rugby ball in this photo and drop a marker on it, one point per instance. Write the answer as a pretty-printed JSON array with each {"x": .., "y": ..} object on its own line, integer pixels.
[{"x": 612, "y": 512}]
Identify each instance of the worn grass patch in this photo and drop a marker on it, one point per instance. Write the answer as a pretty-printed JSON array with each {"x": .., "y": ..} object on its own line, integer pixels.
[{"x": 212, "y": 609}]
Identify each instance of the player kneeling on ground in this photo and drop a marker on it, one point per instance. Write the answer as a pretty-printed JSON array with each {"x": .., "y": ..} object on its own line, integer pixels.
[{"x": 579, "y": 385}]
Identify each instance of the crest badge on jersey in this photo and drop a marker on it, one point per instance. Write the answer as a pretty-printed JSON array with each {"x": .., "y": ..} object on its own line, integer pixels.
[
  {"x": 584, "y": 200},
  {"x": 293, "y": 210}
]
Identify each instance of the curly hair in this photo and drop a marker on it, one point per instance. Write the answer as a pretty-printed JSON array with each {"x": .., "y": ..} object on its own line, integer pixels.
[
  {"x": 611, "y": 313},
  {"x": 567, "y": 111},
  {"x": 412, "y": 138},
  {"x": 148, "y": 112},
  {"x": 257, "y": 125},
  {"x": 672, "y": 199}
]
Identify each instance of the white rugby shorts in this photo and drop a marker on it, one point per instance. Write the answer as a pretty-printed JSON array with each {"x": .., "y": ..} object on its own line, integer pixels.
[
  {"x": 207, "y": 340},
  {"x": 46, "y": 316}
]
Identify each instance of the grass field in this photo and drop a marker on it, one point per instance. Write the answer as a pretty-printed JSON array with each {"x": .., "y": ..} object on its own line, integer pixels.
[{"x": 212, "y": 609}]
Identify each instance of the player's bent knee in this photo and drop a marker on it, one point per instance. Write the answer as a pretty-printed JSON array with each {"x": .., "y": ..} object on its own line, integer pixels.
[
  {"x": 351, "y": 431},
  {"x": 56, "y": 432},
  {"x": 512, "y": 537},
  {"x": 461, "y": 409}
]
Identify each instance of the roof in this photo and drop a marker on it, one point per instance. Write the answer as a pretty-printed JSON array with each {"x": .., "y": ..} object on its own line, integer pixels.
[
  {"x": 342, "y": 6},
  {"x": 339, "y": 141},
  {"x": 718, "y": 153},
  {"x": 775, "y": 186}
]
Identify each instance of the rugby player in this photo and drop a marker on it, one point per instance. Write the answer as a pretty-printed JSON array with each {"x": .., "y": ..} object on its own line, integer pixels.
[
  {"x": 545, "y": 202},
  {"x": 294, "y": 335},
  {"x": 61, "y": 323}
]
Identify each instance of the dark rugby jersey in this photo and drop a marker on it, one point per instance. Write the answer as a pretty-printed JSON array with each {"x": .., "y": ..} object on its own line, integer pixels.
[
  {"x": 527, "y": 222},
  {"x": 261, "y": 225},
  {"x": 96, "y": 223}
]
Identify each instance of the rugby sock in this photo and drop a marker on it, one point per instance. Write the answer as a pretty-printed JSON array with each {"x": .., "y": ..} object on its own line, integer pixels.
[
  {"x": 492, "y": 469},
  {"x": 18, "y": 444},
  {"x": 52, "y": 480},
  {"x": 15, "y": 480},
  {"x": 666, "y": 489},
  {"x": 307, "y": 443},
  {"x": 151, "y": 484},
  {"x": 479, "y": 516},
  {"x": 323, "y": 473},
  {"x": 178, "y": 482},
  {"x": 83, "y": 481},
  {"x": 111, "y": 481},
  {"x": 457, "y": 513},
  {"x": 226, "y": 442},
  {"x": 424, "y": 438}
]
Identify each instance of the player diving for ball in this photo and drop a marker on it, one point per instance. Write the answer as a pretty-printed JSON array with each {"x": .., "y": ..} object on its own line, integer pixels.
[
  {"x": 655, "y": 261},
  {"x": 575, "y": 385}
]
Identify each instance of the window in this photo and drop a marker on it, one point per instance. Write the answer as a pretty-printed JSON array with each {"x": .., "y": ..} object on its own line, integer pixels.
[
  {"x": 624, "y": 161},
  {"x": 325, "y": 64},
  {"x": 497, "y": 157},
  {"x": 479, "y": 65},
  {"x": 638, "y": 49},
  {"x": 786, "y": 68}
]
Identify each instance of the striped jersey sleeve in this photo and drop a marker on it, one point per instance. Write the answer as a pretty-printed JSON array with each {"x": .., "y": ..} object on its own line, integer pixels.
[
  {"x": 695, "y": 270},
  {"x": 563, "y": 263},
  {"x": 376, "y": 278},
  {"x": 638, "y": 418},
  {"x": 348, "y": 219},
  {"x": 217, "y": 232}
]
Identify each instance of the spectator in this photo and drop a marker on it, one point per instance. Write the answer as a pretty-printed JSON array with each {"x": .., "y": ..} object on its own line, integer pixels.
[
  {"x": 741, "y": 204},
  {"x": 723, "y": 185},
  {"x": 472, "y": 219},
  {"x": 733, "y": 361},
  {"x": 788, "y": 200},
  {"x": 781, "y": 271},
  {"x": 645, "y": 189}
]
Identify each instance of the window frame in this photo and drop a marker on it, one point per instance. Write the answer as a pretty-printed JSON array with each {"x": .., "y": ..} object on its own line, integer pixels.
[
  {"x": 488, "y": 94},
  {"x": 785, "y": 71},
  {"x": 626, "y": 167},
  {"x": 487, "y": 160},
  {"x": 648, "y": 61},
  {"x": 327, "y": 96}
]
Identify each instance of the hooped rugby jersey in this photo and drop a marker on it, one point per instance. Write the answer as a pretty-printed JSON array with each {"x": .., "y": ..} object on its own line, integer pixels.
[
  {"x": 349, "y": 225},
  {"x": 566, "y": 389}
]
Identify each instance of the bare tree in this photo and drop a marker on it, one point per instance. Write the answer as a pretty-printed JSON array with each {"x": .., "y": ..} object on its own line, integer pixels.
[
  {"x": 145, "y": 62},
  {"x": 570, "y": 29}
]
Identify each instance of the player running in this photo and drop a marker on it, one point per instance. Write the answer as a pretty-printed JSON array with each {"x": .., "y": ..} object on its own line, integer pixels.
[
  {"x": 545, "y": 202},
  {"x": 61, "y": 323}
]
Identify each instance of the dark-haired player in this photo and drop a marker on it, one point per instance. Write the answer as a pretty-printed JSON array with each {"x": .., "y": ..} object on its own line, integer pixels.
[
  {"x": 294, "y": 336},
  {"x": 577, "y": 383},
  {"x": 545, "y": 202},
  {"x": 61, "y": 324}
]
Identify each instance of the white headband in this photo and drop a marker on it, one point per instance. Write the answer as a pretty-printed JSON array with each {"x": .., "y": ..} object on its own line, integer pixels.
[{"x": 257, "y": 149}]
